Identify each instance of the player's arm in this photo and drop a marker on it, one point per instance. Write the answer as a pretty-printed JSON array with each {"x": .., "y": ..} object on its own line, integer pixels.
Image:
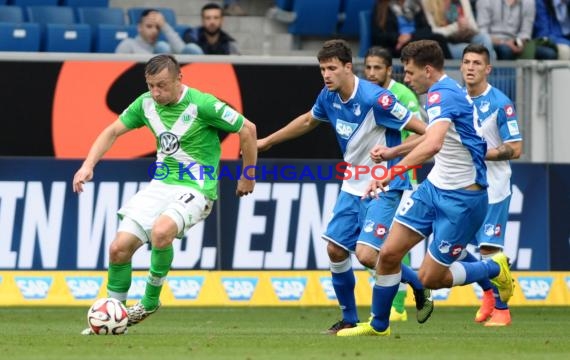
[
  {"x": 426, "y": 149},
  {"x": 102, "y": 144},
  {"x": 296, "y": 128},
  {"x": 382, "y": 153},
  {"x": 505, "y": 151},
  {"x": 247, "y": 140}
]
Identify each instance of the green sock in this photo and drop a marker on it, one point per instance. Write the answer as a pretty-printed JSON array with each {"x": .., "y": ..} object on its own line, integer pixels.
[
  {"x": 400, "y": 297},
  {"x": 119, "y": 278},
  {"x": 160, "y": 262}
]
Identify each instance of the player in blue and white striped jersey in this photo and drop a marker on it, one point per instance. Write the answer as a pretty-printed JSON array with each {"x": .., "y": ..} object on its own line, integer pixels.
[
  {"x": 451, "y": 203},
  {"x": 500, "y": 128}
]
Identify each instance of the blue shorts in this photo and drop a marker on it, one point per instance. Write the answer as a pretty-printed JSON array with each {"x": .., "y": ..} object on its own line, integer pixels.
[
  {"x": 492, "y": 232},
  {"x": 363, "y": 221},
  {"x": 454, "y": 217}
]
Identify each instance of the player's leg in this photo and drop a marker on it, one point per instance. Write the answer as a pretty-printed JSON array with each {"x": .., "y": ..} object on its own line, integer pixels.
[
  {"x": 491, "y": 242},
  {"x": 341, "y": 235},
  {"x": 488, "y": 299},
  {"x": 398, "y": 311},
  {"x": 121, "y": 251},
  {"x": 185, "y": 208}
]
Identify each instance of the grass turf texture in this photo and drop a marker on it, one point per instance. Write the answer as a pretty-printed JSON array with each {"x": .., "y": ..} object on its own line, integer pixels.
[{"x": 281, "y": 333}]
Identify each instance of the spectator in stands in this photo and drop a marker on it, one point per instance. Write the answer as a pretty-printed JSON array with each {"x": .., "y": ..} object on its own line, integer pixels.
[
  {"x": 397, "y": 22},
  {"x": 509, "y": 23},
  {"x": 151, "y": 25},
  {"x": 553, "y": 22},
  {"x": 210, "y": 36},
  {"x": 233, "y": 8},
  {"x": 454, "y": 19}
]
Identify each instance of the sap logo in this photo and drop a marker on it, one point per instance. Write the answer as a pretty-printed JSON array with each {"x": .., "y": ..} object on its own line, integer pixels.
[
  {"x": 345, "y": 128},
  {"x": 440, "y": 294},
  {"x": 567, "y": 282},
  {"x": 186, "y": 287},
  {"x": 289, "y": 288},
  {"x": 239, "y": 288},
  {"x": 138, "y": 285},
  {"x": 326, "y": 283},
  {"x": 34, "y": 287},
  {"x": 535, "y": 288},
  {"x": 84, "y": 287}
]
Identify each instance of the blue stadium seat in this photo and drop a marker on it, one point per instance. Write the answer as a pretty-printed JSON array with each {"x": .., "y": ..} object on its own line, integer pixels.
[
  {"x": 100, "y": 15},
  {"x": 11, "y": 14},
  {"x": 107, "y": 36},
  {"x": 19, "y": 37},
  {"x": 286, "y": 5},
  {"x": 85, "y": 3},
  {"x": 349, "y": 13},
  {"x": 51, "y": 14},
  {"x": 134, "y": 14},
  {"x": 67, "y": 38},
  {"x": 315, "y": 17},
  {"x": 34, "y": 2},
  {"x": 365, "y": 18}
]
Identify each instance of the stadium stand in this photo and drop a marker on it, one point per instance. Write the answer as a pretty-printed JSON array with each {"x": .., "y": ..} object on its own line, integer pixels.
[
  {"x": 20, "y": 37},
  {"x": 66, "y": 38},
  {"x": 51, "y": 14},
  {"x": 100, "y": 15},
  {"x": 349, "y": 10},
  {"x": 34, "y": 2},
  {"x": 108, "y": 36},
  {"x": 11, "y": 14},
  {"x": 134, "y": 14},
  {"x": 85, "y": 3}
]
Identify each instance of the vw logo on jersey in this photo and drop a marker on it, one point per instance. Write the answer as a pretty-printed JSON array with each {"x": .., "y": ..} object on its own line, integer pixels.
[
  {"x": 356, "y": 109},
  {"x": 168, "y": 143}
]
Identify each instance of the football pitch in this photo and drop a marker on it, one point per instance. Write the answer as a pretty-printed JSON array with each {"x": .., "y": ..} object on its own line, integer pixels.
[{"x": 251, "y": 333}]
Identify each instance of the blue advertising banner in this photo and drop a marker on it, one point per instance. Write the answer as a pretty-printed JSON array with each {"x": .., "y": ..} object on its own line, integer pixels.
[{"x": 45, "y": 226}]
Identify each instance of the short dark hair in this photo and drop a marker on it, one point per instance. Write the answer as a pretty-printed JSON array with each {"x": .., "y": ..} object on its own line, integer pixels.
[
  {"x": 145, "y": 13},
  {"x": 159, "y": 62},
  {"x": 477, "y": 49},
  {"x": 210, "y": 6},
  {"x": 423, "y": 52},
  {"x": 336, "y": 48},
  {"x": 380, "y": 52}
]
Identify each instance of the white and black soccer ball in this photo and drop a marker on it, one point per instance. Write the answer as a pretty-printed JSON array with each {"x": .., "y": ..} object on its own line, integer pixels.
[{"x": 108, "y": 316}]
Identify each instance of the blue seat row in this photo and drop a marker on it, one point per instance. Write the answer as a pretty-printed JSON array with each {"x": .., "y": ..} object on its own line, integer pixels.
[
  {"x": 98, "y": 3},
  {"x": 101, "y": 38}
]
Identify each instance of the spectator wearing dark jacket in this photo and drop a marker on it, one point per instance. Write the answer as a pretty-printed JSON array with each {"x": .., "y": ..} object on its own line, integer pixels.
[
  {"x": 210, "y": 36},
  {"x": 397, "y": 22}
]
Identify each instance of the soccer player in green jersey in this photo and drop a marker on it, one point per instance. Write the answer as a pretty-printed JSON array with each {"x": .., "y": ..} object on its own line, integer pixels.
[
  {"x": 378, "y": 69},
  {"x": 185, "y": 123}
]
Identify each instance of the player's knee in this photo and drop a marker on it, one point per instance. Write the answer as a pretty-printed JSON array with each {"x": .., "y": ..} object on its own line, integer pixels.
[
  {"x": 335, "y": 252},
  {"x": 367, "y": 256},
  {"x": 162, "y": 235},
  {"x": 429, "y": 281},
  {"x": 119, "y": 253},
  {"x": 389, "y": 258}
]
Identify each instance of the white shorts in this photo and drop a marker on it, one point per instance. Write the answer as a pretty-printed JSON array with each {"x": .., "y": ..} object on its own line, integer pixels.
[{"x": 185, "y": 205}]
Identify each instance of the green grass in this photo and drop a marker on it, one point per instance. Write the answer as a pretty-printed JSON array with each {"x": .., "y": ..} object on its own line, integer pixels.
[{"x": 282, "y": 333}]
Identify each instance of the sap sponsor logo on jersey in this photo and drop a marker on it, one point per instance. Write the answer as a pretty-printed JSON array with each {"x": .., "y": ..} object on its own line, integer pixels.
[
  {"x": 513, "y": 127},
  {"x": 440, "y": 294},
  {"x": 345, "y": 128},
  {"x": 434, "y": 98},
  {"x": 137, "y": 288},
  {"x": 186, "y": 287},
  {"x": 239, "y": 289},
  {"x": 84, "y": 287},
  {"x": 32, "y": 287},
  {"x": 289, "y": 289},
  {"x": 326, "y": 284},
  {"x": 385, "y": 101},
  {"x": 399, "y": 111},
  {"x": 535, "y": 288},
  {"x": 434, "y": 112}
]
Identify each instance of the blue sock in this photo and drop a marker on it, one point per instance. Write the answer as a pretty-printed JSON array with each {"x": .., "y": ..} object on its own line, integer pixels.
[
  {"x": 484, "y": 283},
  {"x": 499, "y": 304},
  {"x": 409, "y": 276},
  {"x": 383, "y": 294},
  {"x": 485, "y": 269},
  {"x": 343, "y": 284}
]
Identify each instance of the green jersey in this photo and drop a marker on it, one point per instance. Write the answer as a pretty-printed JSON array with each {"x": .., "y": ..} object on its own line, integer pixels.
[
  {"x": 186, "y": 135},
  {"x": 410, "y": 101}
]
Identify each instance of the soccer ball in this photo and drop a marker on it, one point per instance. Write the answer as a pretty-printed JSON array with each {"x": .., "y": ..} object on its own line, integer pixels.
[{"x": 108, "y": 316}]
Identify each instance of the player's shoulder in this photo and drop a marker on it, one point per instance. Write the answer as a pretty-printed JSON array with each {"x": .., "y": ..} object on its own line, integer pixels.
[{"x": 499, "y": 97}]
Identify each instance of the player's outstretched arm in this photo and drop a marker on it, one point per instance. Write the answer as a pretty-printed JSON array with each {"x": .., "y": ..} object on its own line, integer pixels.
[
  {"x": 382, "y": 153},
  {"x": 296, "y": 128},
  {"x": 101, "y": 145},
  {"x": 247, "y": 139}
]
